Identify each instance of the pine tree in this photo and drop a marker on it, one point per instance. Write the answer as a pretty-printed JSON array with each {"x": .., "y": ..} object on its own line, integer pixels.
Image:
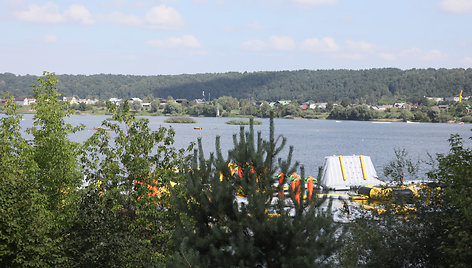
[{"x": 216, "y": 230}]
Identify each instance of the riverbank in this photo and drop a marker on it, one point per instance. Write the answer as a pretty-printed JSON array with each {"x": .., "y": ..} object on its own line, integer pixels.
[{"x": 236, "y": 114}]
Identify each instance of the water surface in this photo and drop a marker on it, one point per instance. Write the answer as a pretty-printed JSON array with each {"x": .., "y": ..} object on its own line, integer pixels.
[{"x": 311, "y": 139}]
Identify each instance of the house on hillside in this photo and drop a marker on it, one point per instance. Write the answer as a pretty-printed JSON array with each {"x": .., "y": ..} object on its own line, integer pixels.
[
  {"x": 381, "y": 108},
  {"x": 400, "y": 105},
  {"x": 321, "y": 105},
  {"x": 456, "y": 99},
  {"x": 259, "y": 103},
  {"x": 24, "y": 101},
  {"x": 131, "y": 100},
  {"x": 182, "y": 101},
  {"x": 74, "y": 100},
  {"x": 284, "y": 102},
  {"x": 443, "y": 107},
  {"x": 70, "y": 100},
  {"x": 115, "y": 101},
  {"x": 279, "y": 103},
  {"x": 435, "y": 99}
]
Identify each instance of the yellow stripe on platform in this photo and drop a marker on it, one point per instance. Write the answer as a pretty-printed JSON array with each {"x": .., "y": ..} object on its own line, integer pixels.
[
  {"x": 342, "y": 167},
  {"x": 363, "y": 168}
]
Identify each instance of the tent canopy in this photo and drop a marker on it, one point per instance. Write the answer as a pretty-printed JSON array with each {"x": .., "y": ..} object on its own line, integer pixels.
[{"x": 344, "y": 172}]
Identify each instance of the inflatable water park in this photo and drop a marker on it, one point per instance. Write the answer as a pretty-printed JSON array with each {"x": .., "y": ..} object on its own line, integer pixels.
[
  {"x": 345, "y": 183},
  {"x": 349, "y": 183}
]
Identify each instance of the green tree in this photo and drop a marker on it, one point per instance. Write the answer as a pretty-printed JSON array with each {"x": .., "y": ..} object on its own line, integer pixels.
[
  {"x": 216, "y": 230},
  {"x": 291, "y": 109},
  {"x": 40, "y": 181},
  {"x": 402, "y": 168},
  {"x": 433, "y": 114},
  {"x": 458, "y": 109},
  {"x": 421, "y": 116},
  {"x": 228, "y": 103},
  {"x": 172, "y": 108},
  {"x": 137, "y": 106},
  {"x": 345, "y": 102},
  {"x": 121, "y": 220},
  {"x": 54, "y": 153},
  {"x": 435, "y": 234},
  {"x": 155, "y": 106},
  {"x": 82, "y": 106},
  {"x": 406, "y": 115},
  {"x": 454, "y": 174},
  {"x": 24, "y": 223}
]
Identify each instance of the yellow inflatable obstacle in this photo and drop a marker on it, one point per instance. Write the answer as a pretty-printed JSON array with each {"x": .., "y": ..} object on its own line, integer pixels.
[
  {"x": 370, "y": 197},
  {"x": 385, "y": 192}
]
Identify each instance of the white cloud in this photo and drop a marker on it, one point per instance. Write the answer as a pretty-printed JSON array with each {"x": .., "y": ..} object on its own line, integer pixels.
[
  {"x": 255, "y": 45},
  {"x": 120, "y": 18},
  {"x": 419, "y": 54},
  {"x": 164, "y": 18},
  {"x": 325, "y": 44},
  {"x": 49, "y": 38},
  {"x": 185, "y": 41},
  {"x": 315, "y": 2},
  {"x": 359, "y": 45},
  {"x": 433, "y": 55},
  {"x": 79, "y": 13},
  {"x": 456, "y": 6},
  {"x": 49, "y": 13},
  {"x": 387, "y": 56},
  {"x": 282, "y": 42},
  {"x": 467, "y": 60}
]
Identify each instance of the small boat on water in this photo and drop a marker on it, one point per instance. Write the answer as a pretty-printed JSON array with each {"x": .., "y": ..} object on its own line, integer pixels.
[
  {"x": 197, "y": 128},
  {"x": 97, "y": 128}
]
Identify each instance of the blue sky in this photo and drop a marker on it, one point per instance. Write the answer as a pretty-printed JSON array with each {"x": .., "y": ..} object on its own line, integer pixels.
[{"x": 213, "y": 36}]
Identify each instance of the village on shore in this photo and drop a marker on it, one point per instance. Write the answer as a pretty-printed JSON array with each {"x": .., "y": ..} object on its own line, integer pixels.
[{"x": 427, "y": 109}]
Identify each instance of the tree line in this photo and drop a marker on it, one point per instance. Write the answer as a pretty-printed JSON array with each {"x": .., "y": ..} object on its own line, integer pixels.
[
  {"x": 127, "y": 198},
  {"x": 360, "y": 86}
]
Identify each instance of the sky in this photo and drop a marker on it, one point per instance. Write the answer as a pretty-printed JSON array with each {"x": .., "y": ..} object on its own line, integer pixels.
[{"x": 161, "y": 37}]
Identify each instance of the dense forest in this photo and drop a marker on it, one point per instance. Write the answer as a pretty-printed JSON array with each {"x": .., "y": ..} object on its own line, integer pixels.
[{"x": 361, "y": 86}]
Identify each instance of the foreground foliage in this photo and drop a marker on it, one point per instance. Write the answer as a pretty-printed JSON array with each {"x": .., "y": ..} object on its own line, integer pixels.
[
  {"x": 120, "y": 220},
  {"x": 51, "y": 216},
  {"x": 437, "y": 234},
  {"x": 39, "y": 179},
  {"x": 215, "y": 230}
]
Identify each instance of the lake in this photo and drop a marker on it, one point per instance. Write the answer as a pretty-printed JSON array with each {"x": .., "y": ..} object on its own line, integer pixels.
[{"x": 312, "y": 139}]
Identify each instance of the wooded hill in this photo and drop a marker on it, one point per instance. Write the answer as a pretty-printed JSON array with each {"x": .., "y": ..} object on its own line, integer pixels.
[{"x": 361, "y": 86}]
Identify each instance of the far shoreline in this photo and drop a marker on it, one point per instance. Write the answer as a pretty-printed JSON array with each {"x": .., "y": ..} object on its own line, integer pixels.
[{"x": 139, "y": 114}]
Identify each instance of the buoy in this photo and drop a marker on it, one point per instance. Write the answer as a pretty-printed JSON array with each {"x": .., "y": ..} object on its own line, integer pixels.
[
  {"x": 295, "y": 183},
  {"x": 281, "y": 185},
  {"x": 310, "y": 181}
]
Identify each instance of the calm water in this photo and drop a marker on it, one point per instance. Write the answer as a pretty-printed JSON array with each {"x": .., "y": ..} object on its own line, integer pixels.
[{"x": 312, "y": 139}]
